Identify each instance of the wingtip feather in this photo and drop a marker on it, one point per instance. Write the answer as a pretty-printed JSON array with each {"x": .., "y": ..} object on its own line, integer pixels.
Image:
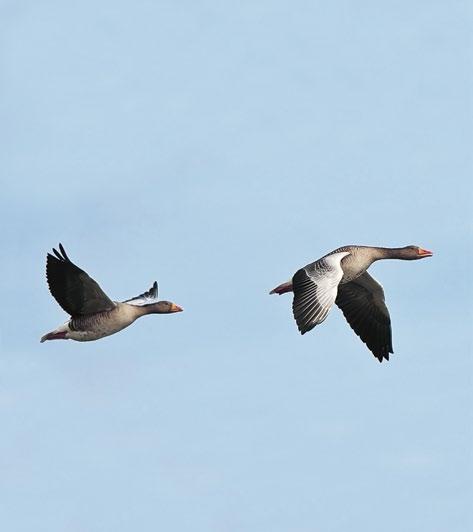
[{"x": 63, "y": 251}]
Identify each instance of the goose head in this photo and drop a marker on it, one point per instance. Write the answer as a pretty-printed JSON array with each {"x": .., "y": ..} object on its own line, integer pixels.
[
  {"x": 163, "y": 307},
  {"x": 414, "y": 253}
]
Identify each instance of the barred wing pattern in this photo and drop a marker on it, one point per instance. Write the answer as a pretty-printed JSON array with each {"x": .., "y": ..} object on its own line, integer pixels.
[{"x": 315, "y": 290}]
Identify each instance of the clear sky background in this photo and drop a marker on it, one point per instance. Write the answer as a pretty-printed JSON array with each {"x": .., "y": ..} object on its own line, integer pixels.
[{"x": 217, "y": 147}]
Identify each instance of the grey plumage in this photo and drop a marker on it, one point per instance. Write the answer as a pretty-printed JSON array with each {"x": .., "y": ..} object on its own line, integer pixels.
[
  {"x": 93, "y": 314},
  {"x": 340, "y": 277}
]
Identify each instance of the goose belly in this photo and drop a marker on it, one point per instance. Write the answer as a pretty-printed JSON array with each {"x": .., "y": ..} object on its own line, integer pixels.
[
  {"x": 90, "y": 335},
  {"x": 89, "y": 328}
]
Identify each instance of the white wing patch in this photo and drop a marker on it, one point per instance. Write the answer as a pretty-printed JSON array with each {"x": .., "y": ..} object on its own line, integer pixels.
[
  {"x": 315, "y": 290},
  {"x": 147, "y": 298}
]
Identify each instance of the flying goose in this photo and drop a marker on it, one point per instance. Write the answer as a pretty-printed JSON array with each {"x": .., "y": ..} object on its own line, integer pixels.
[
  {"x": 93, "y": 314},
  {"x": 340, "y": 277}
]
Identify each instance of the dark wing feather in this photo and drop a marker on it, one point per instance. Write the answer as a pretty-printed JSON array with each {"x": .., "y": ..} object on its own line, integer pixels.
[
  {"x": 76, "y": 292},
  {"x": 362, "y": 304},
  {"x": 305, "y": 305}
]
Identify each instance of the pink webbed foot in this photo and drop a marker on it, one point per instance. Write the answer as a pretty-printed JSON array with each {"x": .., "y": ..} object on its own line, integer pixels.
[
  {"x": 54, "y": 336},
  {"x": 282, "y": 288}
]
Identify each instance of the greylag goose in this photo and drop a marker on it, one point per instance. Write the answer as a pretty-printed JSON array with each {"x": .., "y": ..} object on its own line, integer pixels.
[
  {"x": 340, "y": 277},
  {"x": 93, "y": 314}
]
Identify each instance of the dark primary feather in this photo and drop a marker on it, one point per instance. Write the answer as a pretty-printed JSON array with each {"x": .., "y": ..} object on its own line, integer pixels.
[
  {"x": 76, "y": 292},
  {"x": 305, "y": 304},
  {"x": 362, "y": 304}
]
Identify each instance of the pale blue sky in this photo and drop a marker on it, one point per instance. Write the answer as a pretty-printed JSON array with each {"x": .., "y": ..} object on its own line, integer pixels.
[{"x": 217, "y": 147}]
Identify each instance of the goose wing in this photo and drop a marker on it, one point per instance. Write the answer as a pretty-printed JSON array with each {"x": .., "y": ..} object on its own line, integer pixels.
[
  {"x": 76, "y": 292},
  {"x": 315, "y": 289},
  {"x": 362, "y": 304},
  {"x": 146, "y": 298}
]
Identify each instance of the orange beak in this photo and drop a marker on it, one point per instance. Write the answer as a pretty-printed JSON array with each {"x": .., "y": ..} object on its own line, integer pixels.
[
  {"x": 424, "y": 252},
  {"x": 176, "y": 308}
]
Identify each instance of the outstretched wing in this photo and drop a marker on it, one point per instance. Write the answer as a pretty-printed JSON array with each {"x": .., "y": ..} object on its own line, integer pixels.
[
  {"x": 76, "y": 292},
  {"x": 146, "y": 298},
  {"x": 315, "y": 290},
  {"x": 362, "y": 304}
]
